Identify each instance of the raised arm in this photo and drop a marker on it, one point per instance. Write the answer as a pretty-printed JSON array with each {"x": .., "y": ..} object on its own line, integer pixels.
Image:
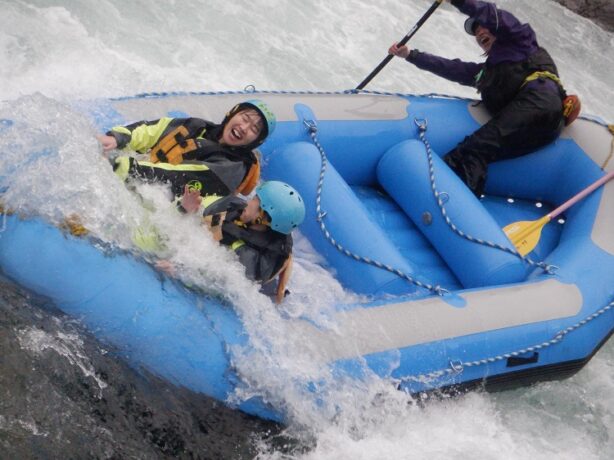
[
  {"x": 140, "y": 136},
  {"x": 451, "y": 69}
]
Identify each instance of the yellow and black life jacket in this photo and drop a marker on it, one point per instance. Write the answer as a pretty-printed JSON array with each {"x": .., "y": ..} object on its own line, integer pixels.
[{"x": 177, "y": 146}]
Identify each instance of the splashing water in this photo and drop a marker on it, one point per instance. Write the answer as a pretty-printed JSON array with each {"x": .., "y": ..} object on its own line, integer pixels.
[{"x": 56, "y": 53}]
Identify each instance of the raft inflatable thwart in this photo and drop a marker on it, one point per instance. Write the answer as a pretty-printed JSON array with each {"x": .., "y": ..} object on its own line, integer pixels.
[{"x": 451, "y": 303}]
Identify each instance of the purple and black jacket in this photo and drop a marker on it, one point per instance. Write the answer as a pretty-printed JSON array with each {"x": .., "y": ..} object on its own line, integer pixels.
[{"x": 514, "y": 55}]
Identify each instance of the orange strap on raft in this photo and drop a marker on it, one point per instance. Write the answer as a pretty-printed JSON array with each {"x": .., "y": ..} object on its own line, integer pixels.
[{"x": 74, "y": 226}]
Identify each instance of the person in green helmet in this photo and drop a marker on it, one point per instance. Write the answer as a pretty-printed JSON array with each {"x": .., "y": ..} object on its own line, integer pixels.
[
  {"x": 191, "y": 153},
  {"x": 258, "y": 231}
]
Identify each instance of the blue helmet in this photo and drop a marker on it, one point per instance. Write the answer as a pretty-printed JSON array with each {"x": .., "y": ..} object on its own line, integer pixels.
[{"x": 283, "y": 204}]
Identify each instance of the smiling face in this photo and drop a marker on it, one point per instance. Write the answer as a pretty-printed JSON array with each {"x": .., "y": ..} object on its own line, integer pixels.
[
  {"x": 244, "y": 128},
  {"x": 484, "y": 38}
]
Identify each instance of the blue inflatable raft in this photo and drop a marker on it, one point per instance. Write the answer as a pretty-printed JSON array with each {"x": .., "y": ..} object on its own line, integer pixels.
[{"x": 451, "y": 302}]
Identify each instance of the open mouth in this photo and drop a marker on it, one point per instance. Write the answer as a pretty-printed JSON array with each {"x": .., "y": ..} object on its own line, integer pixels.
[
  {"x": 236, "y": 134},
  {"x": 484, "y": 41}
]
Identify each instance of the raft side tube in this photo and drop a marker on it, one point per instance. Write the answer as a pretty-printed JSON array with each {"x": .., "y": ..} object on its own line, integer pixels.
[
  {"x": 405, "y": 174},
  {"x": 346, "y": 219},
  {"x": 158, "y": 324}
]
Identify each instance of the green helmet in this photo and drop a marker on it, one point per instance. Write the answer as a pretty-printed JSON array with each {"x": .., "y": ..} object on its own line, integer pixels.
[
  {"x": 265, "y": 112},
  {"x": 283, "y": 204}
]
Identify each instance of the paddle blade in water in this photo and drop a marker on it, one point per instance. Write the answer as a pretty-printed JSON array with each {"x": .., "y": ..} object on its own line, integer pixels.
[{"x": 525, "y": 234}]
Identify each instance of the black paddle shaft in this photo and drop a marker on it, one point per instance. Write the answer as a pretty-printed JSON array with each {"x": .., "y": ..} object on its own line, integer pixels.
[{"x": 403, "y": 41}]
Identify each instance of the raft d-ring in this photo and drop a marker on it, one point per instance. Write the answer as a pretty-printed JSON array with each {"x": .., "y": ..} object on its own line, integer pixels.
[
  {"x": 311, "y": 125},
  {"x": 421, "y": 123},
  {"x": 443, "y": 197},
  {"x": 457, "y": 367},
  {"x": 440, "y": 291},
  {"x": 250, "y": 89}
]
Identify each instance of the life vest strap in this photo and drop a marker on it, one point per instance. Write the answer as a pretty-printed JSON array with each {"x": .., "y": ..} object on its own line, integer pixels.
[
  {"x": 251, "y": 179},
  {"x": 172, "y": 147},
  {"x": 237, "y": 244},
  {"x": 543, "y": 74},
  {"x": 571, "y": 103}
]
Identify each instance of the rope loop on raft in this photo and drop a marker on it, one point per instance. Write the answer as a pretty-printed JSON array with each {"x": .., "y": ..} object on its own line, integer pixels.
[
  {"x": 312, "y": 130},
  {"x": 311, "y": 126}
]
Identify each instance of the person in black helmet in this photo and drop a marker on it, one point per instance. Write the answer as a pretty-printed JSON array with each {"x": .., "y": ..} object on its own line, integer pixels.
[
  {"x": 191, "y": 153},
  {"x": 518, "y": 83}
]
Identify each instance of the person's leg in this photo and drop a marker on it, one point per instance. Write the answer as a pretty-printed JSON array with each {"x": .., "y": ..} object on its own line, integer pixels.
[{"x": 529, "y": 122}]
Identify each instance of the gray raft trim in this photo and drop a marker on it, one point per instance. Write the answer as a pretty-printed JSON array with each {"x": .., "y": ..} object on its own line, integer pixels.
[
  {"x": 358, "y": 107},
  {"x": 365, "y": 331}
]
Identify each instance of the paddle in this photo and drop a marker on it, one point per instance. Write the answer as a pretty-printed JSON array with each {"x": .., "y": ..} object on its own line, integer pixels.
[
  {"x": 525, "y": 234},
  {"x": 403, "y": 41}
]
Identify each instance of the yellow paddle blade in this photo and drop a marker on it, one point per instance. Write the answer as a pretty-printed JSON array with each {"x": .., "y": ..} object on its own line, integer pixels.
[{"x": 525, "y": 234}]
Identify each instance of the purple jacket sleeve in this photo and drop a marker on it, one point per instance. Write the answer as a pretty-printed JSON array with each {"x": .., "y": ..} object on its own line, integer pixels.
[{"x": 450, "y": 69}]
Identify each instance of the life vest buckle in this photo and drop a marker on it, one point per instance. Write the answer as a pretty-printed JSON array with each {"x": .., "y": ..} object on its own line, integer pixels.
[
  {"x": 181, "y": 140},
  {"x": 172, "y": 147}
]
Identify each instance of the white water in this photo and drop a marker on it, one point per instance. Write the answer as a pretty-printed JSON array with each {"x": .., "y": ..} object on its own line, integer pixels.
[{"x": 52, "y": 52}]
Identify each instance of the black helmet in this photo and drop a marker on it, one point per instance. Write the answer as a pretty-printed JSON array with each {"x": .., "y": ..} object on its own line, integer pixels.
[{"x": 470, "y": 25}]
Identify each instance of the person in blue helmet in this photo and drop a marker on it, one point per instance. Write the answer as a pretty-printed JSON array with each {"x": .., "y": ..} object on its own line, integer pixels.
[
  {"x": 519, "y": 86},
  {"x": 191, "y": 153},
  {"x": 258, "y": 231}
]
